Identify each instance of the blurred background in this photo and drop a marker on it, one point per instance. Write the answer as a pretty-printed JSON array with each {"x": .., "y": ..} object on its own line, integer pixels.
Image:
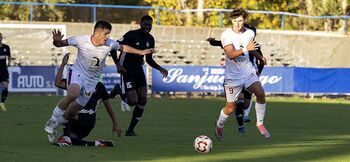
[{"x": 293, "y": 34}]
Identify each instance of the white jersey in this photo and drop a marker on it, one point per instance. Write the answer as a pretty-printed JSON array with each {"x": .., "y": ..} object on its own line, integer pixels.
[
  {"x": 239, "y": 68},
  {"x": 91, "y": 59}
]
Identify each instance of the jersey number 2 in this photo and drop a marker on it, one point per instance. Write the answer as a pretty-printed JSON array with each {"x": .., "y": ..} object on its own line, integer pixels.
[{"x": 95, "y": 61}]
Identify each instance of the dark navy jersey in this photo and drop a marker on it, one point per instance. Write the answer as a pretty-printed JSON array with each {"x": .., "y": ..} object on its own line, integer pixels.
[
  {"x": 4, "y": 53},
  {"x": 139, "y": 40}
]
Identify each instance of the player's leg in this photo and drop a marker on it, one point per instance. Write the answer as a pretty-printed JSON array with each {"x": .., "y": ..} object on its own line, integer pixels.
[
  {"x": 260, "y": 106},
  {"x": 247, "y": 105},
  {"x": 138, "y": 110},
  {"x": 4, "y": 80},
  {"x": 127, "y": 91},
  {"x": 231, "y": 93},
  {"x": 247, "y": 109},
  {"x": 4, "y": 94},
  {"x": 57, "y": 115},
  {"x": 239, "y": 114}
]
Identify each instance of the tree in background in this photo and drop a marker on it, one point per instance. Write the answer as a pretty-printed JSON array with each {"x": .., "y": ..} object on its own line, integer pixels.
[
  {"x": 170, "y": 16},
  {"x": 22, "y": 12}
]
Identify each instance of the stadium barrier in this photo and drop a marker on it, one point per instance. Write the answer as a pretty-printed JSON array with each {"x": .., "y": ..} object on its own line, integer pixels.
[{"x": 280, "y": 80}]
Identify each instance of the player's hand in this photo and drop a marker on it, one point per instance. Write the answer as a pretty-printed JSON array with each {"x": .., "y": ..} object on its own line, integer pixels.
[
  {"x": 65, "y": 59},
  {"x": 263, "y": 60},
  {"x": 57, "y": 35},
  {"x": 164, "y": 72},
  {"x": 252, "y": 45},
  {"x": 148, "y": 51},
  {"x": 118, "y": 130},
  {"x": 210, "y": 39}
]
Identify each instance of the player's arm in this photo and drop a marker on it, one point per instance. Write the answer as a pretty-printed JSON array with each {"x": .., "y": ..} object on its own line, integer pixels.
[
  {"x": 59, "y": 82},
  {"x": 153, "y": 64},
  {"x": 232, "y": 52},
  {"x": 214, "y": 42},
  {"x": 129, "y": 49},
  {"x": 120, "y": 68},
  {"x": 105, "y": 98},
  {"x": 9, "y": 58},
  {"x": 260, "y": 64},
  {"x": 258, "y": 56},
  {"x": 116, "y": 126},
  {"x": 57, "y": 39}
]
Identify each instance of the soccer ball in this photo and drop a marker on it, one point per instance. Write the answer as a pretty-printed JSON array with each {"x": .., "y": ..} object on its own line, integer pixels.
[{"x": 203, "y": 144}]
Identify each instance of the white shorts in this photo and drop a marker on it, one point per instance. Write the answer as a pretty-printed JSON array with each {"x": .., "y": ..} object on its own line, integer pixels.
[
  {"x": 232, "y": 92},
  {"x": 86, "y": 88}
]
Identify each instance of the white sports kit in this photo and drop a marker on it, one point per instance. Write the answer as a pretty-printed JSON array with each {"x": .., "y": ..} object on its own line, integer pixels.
[
  {"x": 239, "y": 72},
  {"x": 88, "y": 65}
]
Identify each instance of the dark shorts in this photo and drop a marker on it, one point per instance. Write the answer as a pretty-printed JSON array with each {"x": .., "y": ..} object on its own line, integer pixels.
[
  {"x": 4, "y": 75},
  {"x": 247, "y": 94},
  {"x": 83, "y": 126},
  {"x": 132, "y": 81}
]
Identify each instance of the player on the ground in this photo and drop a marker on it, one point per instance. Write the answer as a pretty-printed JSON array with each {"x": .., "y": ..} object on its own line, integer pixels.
[
  {"x": 4, "y": 74},
  {"x": 133, "y": 81},
  {"x": 79, "y": 127},
  {"x": 244, "y": 102},
  {"x": 86, "y": 70},
  {"x": 237, "y": 42}
]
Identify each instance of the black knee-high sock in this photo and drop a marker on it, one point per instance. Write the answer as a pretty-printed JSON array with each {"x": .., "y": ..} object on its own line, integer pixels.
[
  {"x": 136, "y": 115},
  {"x": 239, "y": 114},
  {"x": 4, "y": 95}
]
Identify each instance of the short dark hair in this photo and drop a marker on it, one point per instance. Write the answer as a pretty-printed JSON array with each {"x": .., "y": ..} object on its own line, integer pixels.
[
  {"x": 146, "y": 17},
  {"x": 103, "y": 25},
  {"x": 239, "y": 12}
]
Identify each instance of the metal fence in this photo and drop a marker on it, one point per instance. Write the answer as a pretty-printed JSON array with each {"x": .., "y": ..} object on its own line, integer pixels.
[{"x": 131, "y": 14}]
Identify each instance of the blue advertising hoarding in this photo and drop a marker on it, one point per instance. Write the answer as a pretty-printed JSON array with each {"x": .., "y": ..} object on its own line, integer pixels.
[
  {"x": 189, "y": 79},
  {"x": 197, "y": 79},
  {"x": 273, "y": 79},
  {"x": 32, "y": 79}
]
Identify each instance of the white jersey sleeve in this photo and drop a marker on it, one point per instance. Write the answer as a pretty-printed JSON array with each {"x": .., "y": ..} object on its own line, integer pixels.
[
  {"x": 73, "y": 41},
  {"x": 225, "y": 38}
]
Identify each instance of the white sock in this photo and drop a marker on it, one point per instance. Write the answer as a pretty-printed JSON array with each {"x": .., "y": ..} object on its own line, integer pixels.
[
  {"x": 61, "y": 120},
  {"x": 57, "y": 112},
  {"x": 260, "y": 113},
  {"x": 222, "y": 119},
  {"x": 247, "y": 111}
]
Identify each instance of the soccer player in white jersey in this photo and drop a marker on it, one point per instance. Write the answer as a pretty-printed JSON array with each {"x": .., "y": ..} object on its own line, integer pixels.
[
  {"x": 239, "y": 71},
  {"x": 86, "y": 70}
]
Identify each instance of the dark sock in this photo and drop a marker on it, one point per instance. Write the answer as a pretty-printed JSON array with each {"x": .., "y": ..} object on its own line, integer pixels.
[
  {"x": 136, "y": 115},
  {"x": 4, "y": 94},
  {"x": 239, "y": 114}
]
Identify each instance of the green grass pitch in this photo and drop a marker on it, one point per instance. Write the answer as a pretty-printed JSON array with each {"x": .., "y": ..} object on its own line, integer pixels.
[{"x": 301, "y": 131}]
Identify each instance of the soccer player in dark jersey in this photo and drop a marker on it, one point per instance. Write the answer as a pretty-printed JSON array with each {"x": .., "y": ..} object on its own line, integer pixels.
[
  {"x": 78, "y": 128},
  {"x": 133, "y": 80},
  {"x": 4, "y": 74},
  {"x": 244, "y": 102}
]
